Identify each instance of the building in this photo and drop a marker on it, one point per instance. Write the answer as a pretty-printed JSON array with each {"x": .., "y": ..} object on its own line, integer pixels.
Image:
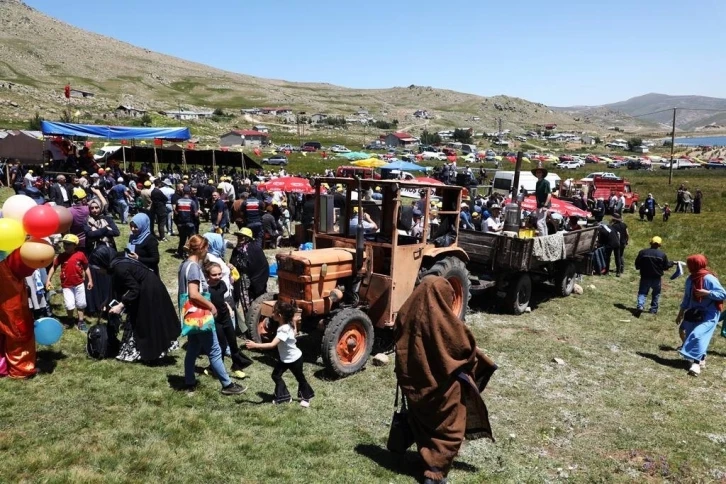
[
  {"x": 640, "y": 149},
  {"x": 187, "y": 115},
  {"x": 79, "y": 93},
  {"x": 275, "y": 111},
  {"x": 244, "y": 137},
  {"x": 588, "y": 140},
  {"x": 261, "y": 128},
  {"x": 401, "y": 139},
  {"x": 318, "y": 118},
  {"x": 124, "y": 111},
  {"x": 250, "y": 111}
]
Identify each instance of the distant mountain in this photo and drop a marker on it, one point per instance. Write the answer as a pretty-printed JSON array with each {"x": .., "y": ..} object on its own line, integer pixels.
[{"x": 686, "y": 118}]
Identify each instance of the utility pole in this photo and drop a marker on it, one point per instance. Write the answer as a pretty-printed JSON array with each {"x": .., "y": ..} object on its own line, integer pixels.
[
  {"x": 499, "y": 133},
  {"x": 673, "y": 146}
]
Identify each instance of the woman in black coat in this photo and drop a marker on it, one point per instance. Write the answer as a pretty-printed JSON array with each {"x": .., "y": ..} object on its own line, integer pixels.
[
  {"x": 152, "y": 325},
  {"x": 143, "y": 246},
  {"x": 100, "y": 230}
]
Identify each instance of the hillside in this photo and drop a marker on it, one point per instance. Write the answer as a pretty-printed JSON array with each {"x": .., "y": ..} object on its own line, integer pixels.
[
  {"x": 37, "y": 64},
  {"x": 686, "y": 120}
]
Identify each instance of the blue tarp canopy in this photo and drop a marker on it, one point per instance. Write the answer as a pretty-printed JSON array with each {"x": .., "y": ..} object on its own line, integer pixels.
[
  {"x": 403, "y": 166},
  {"x": 113, "y": 132}
]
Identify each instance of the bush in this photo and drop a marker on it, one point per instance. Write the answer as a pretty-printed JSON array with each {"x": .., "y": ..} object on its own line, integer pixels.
[
  {"x": 34, "y": 123},
  {"x": 634, "y": 142}
]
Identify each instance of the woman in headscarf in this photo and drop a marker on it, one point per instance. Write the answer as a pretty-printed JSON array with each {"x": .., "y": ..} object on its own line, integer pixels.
[
  {"x": 215, "y": 253},
  {"x": 441, "y": 373},
  {"x": 143, "y": 246},
  {"x": 100, "y": 231},
  {"x": 700, "y": 310},
  {"x": 152, "y": 326}
]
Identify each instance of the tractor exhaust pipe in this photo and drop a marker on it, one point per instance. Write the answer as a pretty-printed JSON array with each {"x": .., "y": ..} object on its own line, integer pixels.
[{"x": 359, "y": 230}]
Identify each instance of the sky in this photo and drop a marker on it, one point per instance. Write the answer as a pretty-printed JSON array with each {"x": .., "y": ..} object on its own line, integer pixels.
[{"x": 560, "y": 53}]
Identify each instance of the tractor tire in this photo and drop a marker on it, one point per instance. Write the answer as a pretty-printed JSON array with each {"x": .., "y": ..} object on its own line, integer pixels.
[
  {"x": 347, "y": 342},
  {"x": 518, "y": 295},
  {"x": 453, "y": 270},
  {"x": 565, "y": 279},
  {"x": 262, "y": 328}
]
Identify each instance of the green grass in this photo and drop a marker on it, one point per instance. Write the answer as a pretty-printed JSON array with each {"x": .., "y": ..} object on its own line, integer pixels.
[{"x": 617, "y": 411}]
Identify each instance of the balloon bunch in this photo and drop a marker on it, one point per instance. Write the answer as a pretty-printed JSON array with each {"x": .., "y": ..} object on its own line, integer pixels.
[{"x": 23, "y": 226}]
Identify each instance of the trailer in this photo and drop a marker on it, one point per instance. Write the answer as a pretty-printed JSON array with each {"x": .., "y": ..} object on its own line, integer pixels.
[{"x": 508, "y": 265}]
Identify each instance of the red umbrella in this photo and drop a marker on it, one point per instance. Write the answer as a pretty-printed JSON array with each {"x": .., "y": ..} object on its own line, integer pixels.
[
  {"x": 566, "y": 209},
  {"x": 430, "y": 181},
  {"x": 288, "y": 184}
]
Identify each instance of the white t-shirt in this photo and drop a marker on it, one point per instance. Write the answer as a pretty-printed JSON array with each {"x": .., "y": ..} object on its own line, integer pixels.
[
  {"x": 491, "y": 225},
  {"x": 289, "y": 352}
]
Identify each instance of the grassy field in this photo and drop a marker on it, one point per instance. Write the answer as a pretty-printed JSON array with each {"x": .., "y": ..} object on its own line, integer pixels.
[{"x": 621, "y": 408}]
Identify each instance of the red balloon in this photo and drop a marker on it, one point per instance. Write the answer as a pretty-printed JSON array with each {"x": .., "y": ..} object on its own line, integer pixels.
[
  {"x": 41, "y": 221},
  {"x": 65, "y": 219}
]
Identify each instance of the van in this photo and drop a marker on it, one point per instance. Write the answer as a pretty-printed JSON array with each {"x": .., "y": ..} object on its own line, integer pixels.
[
  {"x": 359, "y": 171},
  {"x": 104, "y": 152},
  {"x": 466, "y": 149},
  {"x": 502, "y": 181},
  {"x": 312, "y": 144}
]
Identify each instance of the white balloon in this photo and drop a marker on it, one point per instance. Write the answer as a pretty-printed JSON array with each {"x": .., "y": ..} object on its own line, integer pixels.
[{"x": 16, "y": 206}]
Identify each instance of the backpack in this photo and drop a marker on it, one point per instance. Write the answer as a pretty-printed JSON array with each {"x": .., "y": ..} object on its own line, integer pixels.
[{"x": 102, "y": 341}]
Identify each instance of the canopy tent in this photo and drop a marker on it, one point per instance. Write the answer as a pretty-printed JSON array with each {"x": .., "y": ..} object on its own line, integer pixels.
[
  {"x": 173, "y": 155},
  {"x": 25, "y": 146},
  {"x": 113, "y": 132},
  {"x": 403, "y": 166}
]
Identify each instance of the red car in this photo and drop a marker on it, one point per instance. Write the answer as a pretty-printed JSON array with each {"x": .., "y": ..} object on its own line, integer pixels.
[
  {"x": 566, "y": 158},
  {"x": 309, "y": 149}
]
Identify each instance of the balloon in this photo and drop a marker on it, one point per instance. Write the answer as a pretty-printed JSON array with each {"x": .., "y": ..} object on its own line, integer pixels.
[
  {"x": 37, "y": 253},
  {"x": 41, "y": 221},
  {"x": 65, "y": 219},
  {"x": 48, "y": 331},
  {"x": 12, "y": 234},
  {"x": 16, "y": 206}
]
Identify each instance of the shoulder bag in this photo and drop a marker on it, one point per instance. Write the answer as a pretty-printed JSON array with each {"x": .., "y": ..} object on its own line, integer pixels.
[
  {"x": 194, "y": 318},
  {"x": 400, "y": 435}
]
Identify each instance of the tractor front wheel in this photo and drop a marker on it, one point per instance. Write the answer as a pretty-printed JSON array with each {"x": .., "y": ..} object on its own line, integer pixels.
[
  {"x": 261, "y": 327},
  {"x": 347, "y": 342}
]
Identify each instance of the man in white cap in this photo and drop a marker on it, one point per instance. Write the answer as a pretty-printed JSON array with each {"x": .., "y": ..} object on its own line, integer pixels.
[
  {"x": 465, "y": 221},
  {"x": 493, "y": 224},
  {"x": 121, "y": 197}
]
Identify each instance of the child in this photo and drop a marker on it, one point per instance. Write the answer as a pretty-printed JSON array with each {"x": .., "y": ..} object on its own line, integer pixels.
[
  {"x": 74, "y": 266},
  {"x": 290, "y": 356},
  {"x": 223, "y": 319},
  {"x": 666, "y": 212}
]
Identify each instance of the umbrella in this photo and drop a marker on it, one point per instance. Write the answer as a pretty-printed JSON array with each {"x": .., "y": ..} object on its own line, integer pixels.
[
  {"x": 288, "y": 184},
  {"x": 566, "y": 209},
  {"x": 369, "y": 163},
  {"x": 430, "y": 181},
  {"x": 403, "y": 166}
]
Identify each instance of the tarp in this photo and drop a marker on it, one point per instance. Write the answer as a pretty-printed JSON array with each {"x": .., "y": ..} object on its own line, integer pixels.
[
  {"x": 113, "y": 132},
  {"x": 403, "y": 166},
  {"x": 21, "y": 146},
  {"x": 230, "y": 159},
  {"x": 355, "y": 155}
]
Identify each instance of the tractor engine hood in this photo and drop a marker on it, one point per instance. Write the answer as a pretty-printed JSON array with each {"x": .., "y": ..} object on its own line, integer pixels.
[{"x": 314, "y": 265}]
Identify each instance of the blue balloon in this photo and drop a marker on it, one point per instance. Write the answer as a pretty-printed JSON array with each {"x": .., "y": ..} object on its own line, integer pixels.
[{"x": 48, "y": 331}]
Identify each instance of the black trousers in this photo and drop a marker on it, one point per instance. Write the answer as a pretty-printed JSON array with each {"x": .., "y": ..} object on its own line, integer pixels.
[
  {"x": 304, "y": 390},
  {"x": 226, "y": 337},
  {"x": 618, "y": 258},
  {"x": 185, "y": 231},
  {"x": 161, "y": 222}
]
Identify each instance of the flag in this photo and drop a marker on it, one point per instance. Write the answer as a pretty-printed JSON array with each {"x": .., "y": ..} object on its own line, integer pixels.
[{"x": 679, "y": 270}]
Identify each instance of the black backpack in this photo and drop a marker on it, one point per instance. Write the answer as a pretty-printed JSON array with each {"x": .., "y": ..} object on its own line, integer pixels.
[{"x": 103, "y": 341}]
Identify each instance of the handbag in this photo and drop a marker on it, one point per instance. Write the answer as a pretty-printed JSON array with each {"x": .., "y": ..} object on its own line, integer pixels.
[
  {"x": 194, "y": 318},
  {"x": 400, "y": 435}
]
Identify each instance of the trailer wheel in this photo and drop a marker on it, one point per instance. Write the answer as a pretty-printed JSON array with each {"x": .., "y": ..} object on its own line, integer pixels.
[
  {"x": 453, "y": 270},
  {"x": 565, "y": 279},
  {"x": 347, "y": 342},
  {"x": 261, "y": 327},
  {"x": 519, "y": 293}
]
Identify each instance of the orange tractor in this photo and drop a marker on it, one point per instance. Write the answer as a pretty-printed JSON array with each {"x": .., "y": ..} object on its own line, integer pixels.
[{"x": 367, "y": 260}]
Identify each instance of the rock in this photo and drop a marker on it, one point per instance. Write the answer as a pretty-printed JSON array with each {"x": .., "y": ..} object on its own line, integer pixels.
[
  {"x": 381, "y": 360},
  {"x": 577, "y": 289},
  {"x": 591, "y": 287},
  {"x": 13, "y": 104},
  {"x": 559, "y": 361}
]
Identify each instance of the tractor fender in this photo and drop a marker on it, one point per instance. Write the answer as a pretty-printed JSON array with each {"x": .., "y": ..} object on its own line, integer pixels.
[{"x": 440, "y": 252}]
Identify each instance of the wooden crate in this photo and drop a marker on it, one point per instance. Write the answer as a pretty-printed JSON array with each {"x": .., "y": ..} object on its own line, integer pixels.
[
  {"x": 513, "y": 254},
  {"x": 479, "y": 246}
]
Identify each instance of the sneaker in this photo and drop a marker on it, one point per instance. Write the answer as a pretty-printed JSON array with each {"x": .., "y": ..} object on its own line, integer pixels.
[
  {"x": 702, "y": 364},
  {"x": 695, "y": 369},
  {"x": 305, "y": 403},
  {"x": 82, "y": 326},
  {"x": 239, "y": 374},
  {"x": 233, "y": 389}
]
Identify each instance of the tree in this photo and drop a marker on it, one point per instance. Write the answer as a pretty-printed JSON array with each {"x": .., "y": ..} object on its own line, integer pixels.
[
  {"x": 598, "y": 140},
  {"x": 430, "y": 138},
  {"x": 219, "y": 112},
  {"x": 462, "y": 136},
  {"x": 383, "y": 125},
  {"x": 146, "y": 120},
  {"x": 633, "y": 142},
  {"x": 34, "y": 123}
]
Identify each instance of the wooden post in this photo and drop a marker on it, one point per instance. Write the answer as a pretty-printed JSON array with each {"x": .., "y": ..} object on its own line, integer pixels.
[
  {"x": 214, "y": 165},
  {"x": 673, "y": 147},
  {"x": 156, "y": 162},
  {"x": 515, "y": 181},
  {"x": 123, "y": 152}
]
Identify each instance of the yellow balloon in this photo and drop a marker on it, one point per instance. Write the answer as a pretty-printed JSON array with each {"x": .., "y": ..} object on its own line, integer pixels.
[
  {"x": 12, "y": 234},
  {"x": 37, "y": 253}
]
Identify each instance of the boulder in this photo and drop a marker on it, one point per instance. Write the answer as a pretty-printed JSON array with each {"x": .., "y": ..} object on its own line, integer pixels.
[{"x": 381, "y": 360}]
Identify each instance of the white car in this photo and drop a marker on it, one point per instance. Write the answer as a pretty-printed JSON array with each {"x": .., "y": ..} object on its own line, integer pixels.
[
  {"x": 339, "y": 149},
  {"x": 433, "y": 155},
  {"x": 470, "y": 158},
  {"x": 104, "y": 152},
  {"x": 603, "y": 174},
  {"x": 569, "y": 165}
]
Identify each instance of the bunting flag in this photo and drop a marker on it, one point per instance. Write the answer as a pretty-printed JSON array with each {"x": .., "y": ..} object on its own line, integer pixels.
[{"x": 679, "y": 270}]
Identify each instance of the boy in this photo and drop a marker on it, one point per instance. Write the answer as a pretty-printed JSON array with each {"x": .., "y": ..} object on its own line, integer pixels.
[{"x": 74, "y": 266}]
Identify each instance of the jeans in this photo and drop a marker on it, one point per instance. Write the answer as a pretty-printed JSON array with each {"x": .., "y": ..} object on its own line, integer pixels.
[
  {"x": 646, "y": 284},
  {"x": 206, "y": 340},
  {"x": 122, "y": 207},
  {"x": 169, "y": 219},
  {"x": 304, "y": 391}
]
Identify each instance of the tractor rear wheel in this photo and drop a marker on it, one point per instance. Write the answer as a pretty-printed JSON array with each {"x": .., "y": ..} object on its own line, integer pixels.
[
  {"x": 518, "y": 295},
  {"x": 261, "y": 327},
  {"x": 453, "y": 270},
  {"x": 565, "y": 279},
  {"x": 347, "y": 342}
]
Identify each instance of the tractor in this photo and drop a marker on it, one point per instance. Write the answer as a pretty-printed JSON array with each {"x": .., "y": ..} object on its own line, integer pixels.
[{"x": 365, "y": 264}]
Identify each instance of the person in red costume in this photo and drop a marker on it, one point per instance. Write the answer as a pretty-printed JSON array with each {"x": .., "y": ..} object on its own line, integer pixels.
[{"x": 17, "y": 337}]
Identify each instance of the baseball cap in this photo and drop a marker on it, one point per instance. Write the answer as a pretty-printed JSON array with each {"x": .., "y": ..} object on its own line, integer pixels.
[
  {"x": 210, "y": 181},
  {"x": 656, "y": 240},
  {"x": 147, "y": 183},
  {"x": 70, "y": 238},
  {"x": 79, "y": 193},
  {"x": 120, "y": 179},
  {"x": 84, "y": 173}
]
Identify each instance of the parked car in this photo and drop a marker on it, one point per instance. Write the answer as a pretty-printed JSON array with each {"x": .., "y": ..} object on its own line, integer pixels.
[
  {"x": 339, "y": 149},
  {"x": 680, "y": 165},
  {"x": 715, "y": 165},
  {"x": 592, "y": 159},
  {"x": 602, "y": 174},
  {"x": 569, "y": 165},
  {"x": 470, "y": 158},
  {"x": 275, "y": 160},
  {"x": 639, "y": 165},
  {"x": 433, "y": 155},
  {"x": 566, "y": 157},
  {"x": 308, "y": 149},
  {"x": 284, "y": 148},
  {"x": 617, "y": 164},
  {"x": 312, "y": 144}
]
